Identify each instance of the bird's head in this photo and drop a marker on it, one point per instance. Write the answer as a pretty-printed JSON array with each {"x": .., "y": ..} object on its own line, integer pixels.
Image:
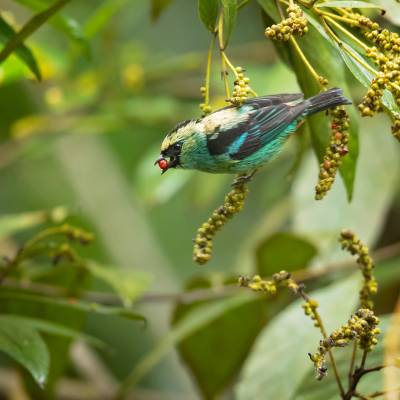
[{"x": 175, "y": 144}]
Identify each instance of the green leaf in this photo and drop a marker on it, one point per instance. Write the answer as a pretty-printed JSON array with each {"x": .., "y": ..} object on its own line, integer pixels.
[
  {"x": 283, "y": 250},
  {"x": 22, "y": 52},
  {"x": 347, "y": 4},
  {"x": 17, "y": 40},
  {"x": 100, "y": 17},
  {"x": 128, "y": 284},
  {"x": 311, "y": 389},
  {"x": 202, "y": 350},
  {"x": 282, "y": 346},
  {"x": 77, "y": 305},
  {"x": 158, "y": 7},
  {"x": 51, "y": 328},
  {"x": 187, "y": 326},
  {"x": 10, "y": 224},
  {"x": 208, "y": 12},
  {"x": 322, "y": 58},
  {"x": 69, "y": 26},
  {"x": 230, "y": 13},
  {"x": 22, "y": 342}
]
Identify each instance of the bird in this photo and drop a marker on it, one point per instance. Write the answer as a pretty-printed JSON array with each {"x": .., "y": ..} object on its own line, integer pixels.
[{"x": 241, "y": 139}]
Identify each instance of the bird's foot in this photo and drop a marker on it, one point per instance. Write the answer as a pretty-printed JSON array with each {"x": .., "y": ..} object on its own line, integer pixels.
[{"x": 243, "y": 179}]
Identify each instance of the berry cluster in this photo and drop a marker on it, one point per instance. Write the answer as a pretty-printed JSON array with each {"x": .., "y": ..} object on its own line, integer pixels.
[
  {"x": 205, "y": 107},
  {"x": 294, "y": 24},
  {"x": 351, "y": 243},
  {"x": 336, "y": 150},
  {"x": 233, "y": 203},
  {"x": 280, "y": 279},
  {"x": 386, "y": 55},
  {"x": 310, "y": 309},
  {"x": 241, "y": 90},
  {"x": 396, "y": 129},
  {"x": 362, "y": 326}
]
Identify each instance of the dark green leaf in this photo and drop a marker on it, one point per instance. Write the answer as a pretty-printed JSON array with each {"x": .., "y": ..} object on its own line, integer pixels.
[
  {"x": 77, "y": 305},
  {"x": 283, "y": 250},
  {"x": 208, "y": 12},
  {"x": 230, "y": 13},
  {"x": 22, "y": 52},
  {"x": 202, "y": 350},
  {"x": 347, "y": 4},
  {"x": 50, "y": 327},
  {"x": 157, "y": 7},
  {"x": 128, "y": 284},
  {"x": 282, "y": 346},
  {"x": 21, "y": 342},
  {"x": 187, "y": 326}
]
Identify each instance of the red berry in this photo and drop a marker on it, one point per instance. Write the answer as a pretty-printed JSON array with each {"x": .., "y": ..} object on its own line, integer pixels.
[
  {"x": 343, "y": 150},
  {"x": 163, "y": 164},
  {"x": 334, "y": 126}
]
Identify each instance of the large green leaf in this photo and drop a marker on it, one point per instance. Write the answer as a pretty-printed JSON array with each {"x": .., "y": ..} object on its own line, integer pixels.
[
  {"x": 77, "y": 305},
  {"x": 193, "y": 322},
  {"x": 202, "y": 350},
  {"x": 50, "y": 328},
  {"x": 22, "y": 342},
  {"x": 22, "y": 52},
  {"x": 13, "y": 223},
  {"x": 208, "y": 12},
  {"x": 128, "y": 284},
  {"x": 283, "y": 250},
  {"x": 282, "y": 347},
  {"x": 322, "y": 57},
  {"x": 347, "y": 4},
  {"x": 230, "y": 13}
]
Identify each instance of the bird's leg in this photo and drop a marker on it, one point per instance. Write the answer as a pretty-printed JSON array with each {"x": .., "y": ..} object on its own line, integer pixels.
[{"x": 245, "y": 178}]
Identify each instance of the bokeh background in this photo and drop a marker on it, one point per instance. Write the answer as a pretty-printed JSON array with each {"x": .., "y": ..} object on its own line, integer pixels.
[{"x": 79, "y": 147}]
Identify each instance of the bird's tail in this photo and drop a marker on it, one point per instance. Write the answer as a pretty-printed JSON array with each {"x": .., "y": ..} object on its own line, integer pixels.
[{"x": 328, "y": 99}]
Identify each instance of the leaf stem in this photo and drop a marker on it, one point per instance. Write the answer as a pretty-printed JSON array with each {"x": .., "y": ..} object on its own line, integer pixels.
[
  {"x": 30, "y": 27},
  {"x": 352, "y": 362},
  {"x": 208, "y": 71},
  {"x": 306, "y": 62}
]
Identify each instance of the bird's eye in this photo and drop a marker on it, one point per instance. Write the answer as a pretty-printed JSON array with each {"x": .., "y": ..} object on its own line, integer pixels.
[{"x": 177, "y": 146}]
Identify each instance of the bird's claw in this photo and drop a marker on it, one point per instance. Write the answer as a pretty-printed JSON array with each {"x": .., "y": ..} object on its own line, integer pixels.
[{"x": 242, "y": 179}]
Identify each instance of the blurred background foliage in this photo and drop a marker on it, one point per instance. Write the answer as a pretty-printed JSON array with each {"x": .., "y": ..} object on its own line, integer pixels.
[{"x": 78, "y": 147}]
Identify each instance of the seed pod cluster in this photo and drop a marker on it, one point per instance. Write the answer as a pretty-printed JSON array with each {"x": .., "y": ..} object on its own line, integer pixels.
[
  {"x": 233, "y": 203},
  {"x": 280, "y": 279},
  {"x": 205, "y": 107},
  {"x": 294, "y": 24},
  {"x": 241, "y": 89},
  {"x": 352, "y": 244},
  {"x": 386, "y": 55},
  {"x": 396, "y": 128},
  {"x": 362, "y": 326},
  {"x": 334, "y": 153}
]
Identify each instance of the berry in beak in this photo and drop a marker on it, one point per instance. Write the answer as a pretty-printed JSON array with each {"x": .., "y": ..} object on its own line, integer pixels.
[{"x": 163, "y": 164}]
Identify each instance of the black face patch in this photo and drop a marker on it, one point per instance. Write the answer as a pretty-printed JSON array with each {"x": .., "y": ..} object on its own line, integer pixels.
[{"x": 219, "y": 142}]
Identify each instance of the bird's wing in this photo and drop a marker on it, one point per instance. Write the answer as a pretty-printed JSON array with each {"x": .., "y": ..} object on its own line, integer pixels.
[
  {"x": 274, "y": 99},
  {"x": 266, "y": 125},
  {"x": 261, "y": 127}
]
